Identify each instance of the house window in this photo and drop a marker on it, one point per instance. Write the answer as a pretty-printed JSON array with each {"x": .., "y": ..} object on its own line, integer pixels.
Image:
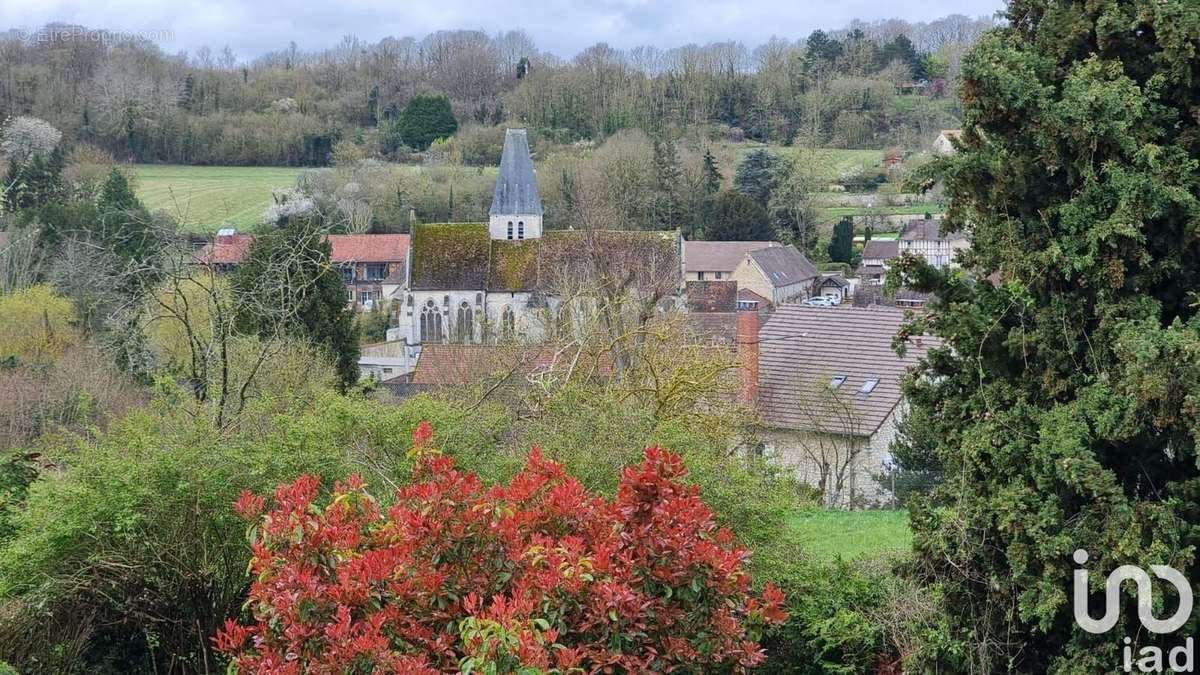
[
  {"x": 718, "y": 275},
  {"x": 837, "y": 381},
  {"x": 367, "y": 296},
  {"x": 465, "y": 326},
  {"x": 348, "y": 274},
  {"x": 510, "y": 230},
  {"x": 868, "y": 386},
  {"x": 349, "y": 295},
  {"x": 520, "y": 229},
  {"x": 431, "y": 323},
  {"x": 507, "y": 322},
  {"x": 377, "y": 271},
  {"x": 748, "y": 305},
  {"x": 699, "y": 276}
]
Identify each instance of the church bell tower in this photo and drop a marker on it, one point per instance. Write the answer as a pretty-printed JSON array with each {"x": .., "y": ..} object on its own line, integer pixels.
[{"x": 516, "y": 211}]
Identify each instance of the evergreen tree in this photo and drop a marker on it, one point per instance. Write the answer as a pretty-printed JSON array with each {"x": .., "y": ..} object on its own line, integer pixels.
[
  {"x": 372, "y": 106},
  {"x": 841, "y": 246},
  {"x": 668, "y": 186},
  {"x": 34, "y": 182},
  {"x": 1063, "y": 405},
  {"x": 756, "y": 176},
  {"x": 735, "y": 217},
  {"x": 123, "y": 224},
  {"x": 711, "y": 173},
  {"x": 426, "y": 119},
  {"x": 287, "y": 284}
]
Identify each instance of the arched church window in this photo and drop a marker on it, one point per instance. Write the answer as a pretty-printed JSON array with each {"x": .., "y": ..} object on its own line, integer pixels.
[
  {"x": 510, "y": 230},
  {"x": 431, "y": 323},
  {"x": 465, "y": 325},
  {"x": 520, "y": 229},
  {"x": 507, "y": 322}
]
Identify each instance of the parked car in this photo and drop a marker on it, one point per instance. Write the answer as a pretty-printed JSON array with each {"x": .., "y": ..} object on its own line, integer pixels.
[{"x": 821, "y": 301}]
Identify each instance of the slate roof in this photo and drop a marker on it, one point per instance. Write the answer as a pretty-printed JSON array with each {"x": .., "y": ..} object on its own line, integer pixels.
[
  {"x": 881, "y": 249},
  {"x": 711, "y": 296},
  {"x": 802, "y": 348},
  {"x": 784, "y": 265},
  {"x": 516, "y": 187},
  {"x": 719, "y": 256}
]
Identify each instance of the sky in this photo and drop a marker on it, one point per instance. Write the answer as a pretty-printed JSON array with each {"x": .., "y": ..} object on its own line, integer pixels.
[{"x": 563, "y": 27}]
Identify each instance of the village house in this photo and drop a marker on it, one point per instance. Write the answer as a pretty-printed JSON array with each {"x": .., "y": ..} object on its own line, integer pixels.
[
  {"x": 924, "y": 239},
  {"x": 781, "y": 274},
  {"x": 716, "y": 260},
  {"x": 373, "y": 266},
  {"x": 827, "y": 386},
  {"x": 875, "y": 257}
]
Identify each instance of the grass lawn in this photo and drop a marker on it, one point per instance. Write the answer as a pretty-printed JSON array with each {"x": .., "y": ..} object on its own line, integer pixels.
[
  {"x": 203, "y": 198},
  {"x": 851, "y": 534}
]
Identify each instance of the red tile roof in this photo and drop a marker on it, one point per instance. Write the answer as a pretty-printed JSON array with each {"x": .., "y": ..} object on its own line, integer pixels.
[
  {"x": 232, "y": 249},
  {"x": 369, "y": 247},
  {"x": 228, "y": 249},
  {"x": 747, "y": 295}
]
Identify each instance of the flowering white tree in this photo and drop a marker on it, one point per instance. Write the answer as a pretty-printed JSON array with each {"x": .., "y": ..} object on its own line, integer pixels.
[
  {"x": 289, "y": 203},
  {"x": 26, "y": 137}
]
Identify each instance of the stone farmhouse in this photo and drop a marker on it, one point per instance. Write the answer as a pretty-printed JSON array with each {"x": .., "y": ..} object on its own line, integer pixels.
[{"x": 781, "y": 274}]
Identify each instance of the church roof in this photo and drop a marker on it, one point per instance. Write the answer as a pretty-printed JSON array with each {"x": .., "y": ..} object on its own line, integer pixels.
[
  {"x": 461, "y": 256},
  {"x": 516, "y": 187},
  {"x": 450, "y": 256}
]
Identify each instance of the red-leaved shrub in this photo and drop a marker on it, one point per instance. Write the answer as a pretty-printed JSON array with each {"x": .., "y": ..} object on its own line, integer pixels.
[{"x": 536, "y": 575}]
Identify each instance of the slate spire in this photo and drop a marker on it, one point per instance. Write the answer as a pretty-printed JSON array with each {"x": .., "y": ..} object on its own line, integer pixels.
[{"x": 516, "y": 187}]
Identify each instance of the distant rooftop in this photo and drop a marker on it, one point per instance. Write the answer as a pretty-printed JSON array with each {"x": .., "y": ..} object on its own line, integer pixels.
[{"x": 516, "y": 187}]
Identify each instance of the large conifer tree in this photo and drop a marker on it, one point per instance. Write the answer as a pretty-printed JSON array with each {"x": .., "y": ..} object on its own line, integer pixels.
[{"x": 1065, "y": 408}]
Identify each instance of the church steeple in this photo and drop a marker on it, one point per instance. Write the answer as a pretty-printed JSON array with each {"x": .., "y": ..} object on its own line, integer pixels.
[{"x": 516, "y": 211}]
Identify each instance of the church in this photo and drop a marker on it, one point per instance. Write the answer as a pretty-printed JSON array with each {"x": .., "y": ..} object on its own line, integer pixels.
[{"x": 483, "y": 283}]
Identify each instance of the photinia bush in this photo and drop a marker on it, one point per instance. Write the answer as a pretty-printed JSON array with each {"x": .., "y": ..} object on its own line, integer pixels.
[{"x": 534, "y": 576}]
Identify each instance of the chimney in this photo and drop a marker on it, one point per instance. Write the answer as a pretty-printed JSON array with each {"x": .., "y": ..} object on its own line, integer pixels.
[{"x": 747, "y": 353}]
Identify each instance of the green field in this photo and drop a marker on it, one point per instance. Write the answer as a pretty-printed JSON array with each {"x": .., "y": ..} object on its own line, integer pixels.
[
  {"x": 205, "y": 198},
  {"x": 851, "y": 534}
]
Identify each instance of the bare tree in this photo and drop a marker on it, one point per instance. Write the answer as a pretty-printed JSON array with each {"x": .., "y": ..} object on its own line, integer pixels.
[
  {"x": 834, "y": 439},
  {"x": 21, "y": 260},
  {"x": 199, "y": 311}
]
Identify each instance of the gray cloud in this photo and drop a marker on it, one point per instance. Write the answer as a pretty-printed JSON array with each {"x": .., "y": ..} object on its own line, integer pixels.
[{"x": 563, "y": 27}]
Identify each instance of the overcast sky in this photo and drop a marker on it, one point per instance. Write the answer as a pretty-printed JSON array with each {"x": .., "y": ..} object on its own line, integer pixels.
[{"x": 563, "y": 27}]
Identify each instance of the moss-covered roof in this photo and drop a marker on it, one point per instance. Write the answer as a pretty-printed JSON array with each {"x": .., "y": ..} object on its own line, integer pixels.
[
  {"x": 514, "y": 265},
  {"x": 461, "y": 256},
  {"x": 450, "y": 256}
]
